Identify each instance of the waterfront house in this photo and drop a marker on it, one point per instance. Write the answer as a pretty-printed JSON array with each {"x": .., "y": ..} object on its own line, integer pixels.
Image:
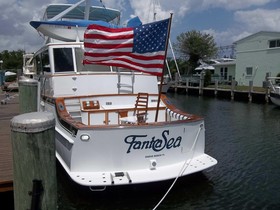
[
  {"x": 224, "y": 70},
  {"x": 256, "y": 55}
]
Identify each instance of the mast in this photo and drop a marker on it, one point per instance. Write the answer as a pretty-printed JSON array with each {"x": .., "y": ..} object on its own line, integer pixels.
[
  {"x": 87, "y": 9},
  {"x": 161, "y": 80},
  {"x": 154, "y": 10}
]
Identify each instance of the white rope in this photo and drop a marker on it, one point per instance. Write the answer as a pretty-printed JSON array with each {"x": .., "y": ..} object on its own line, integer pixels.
[
  {"x": 184, "y": 167},
  {"x": 177, "y": 68}
]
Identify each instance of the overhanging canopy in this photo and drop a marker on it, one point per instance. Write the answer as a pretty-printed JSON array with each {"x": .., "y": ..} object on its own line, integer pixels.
[{"x": 96, "y": 13}]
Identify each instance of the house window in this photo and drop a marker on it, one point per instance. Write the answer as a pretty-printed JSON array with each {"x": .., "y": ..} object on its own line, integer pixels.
[
  {"x": 249, "y": 71},
  {"x": 224, "y": 73},
  {"x": 274, "y": 43}
]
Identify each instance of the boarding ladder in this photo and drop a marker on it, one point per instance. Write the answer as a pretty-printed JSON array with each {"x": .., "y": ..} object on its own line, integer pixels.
[
  {"x": 73, "y": 108},
  {"x": 126, "y": 81}
]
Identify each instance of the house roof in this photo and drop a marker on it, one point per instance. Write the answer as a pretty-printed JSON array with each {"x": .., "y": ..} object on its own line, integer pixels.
[
  {"x": 269, "y": 33},
  {"x": 230, "y": 63}
]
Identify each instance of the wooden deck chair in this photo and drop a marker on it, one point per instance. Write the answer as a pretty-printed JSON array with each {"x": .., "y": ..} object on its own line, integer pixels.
[{"x": 140, "y": 110}]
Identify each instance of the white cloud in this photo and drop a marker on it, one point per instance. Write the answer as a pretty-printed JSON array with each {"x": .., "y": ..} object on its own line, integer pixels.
[
  {"x": 224, "y": 38},
  {"x": 259, "y": 19},
  {"x": 120, "y": 4},
  {"x": 233, "y": 4},
  {"x": 16, "y": 33},
  {"x": 181, "y": 8},
  {"x": 247, "y": 23},
  {"x": 146, "y": 9}
]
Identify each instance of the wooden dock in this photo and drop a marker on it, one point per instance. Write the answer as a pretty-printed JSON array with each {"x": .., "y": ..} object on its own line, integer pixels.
[
  {"x": 231, "y": 94},
  {"x": 7, "y": 112}
]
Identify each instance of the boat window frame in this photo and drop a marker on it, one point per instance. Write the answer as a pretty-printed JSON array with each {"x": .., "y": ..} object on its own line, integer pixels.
[
  {"x": 54, "y": 64},
  {"x": 40, "y": 64}
]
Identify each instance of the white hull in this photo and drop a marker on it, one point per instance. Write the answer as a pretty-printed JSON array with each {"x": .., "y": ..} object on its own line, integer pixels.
[
  {"x": 275, "y": 94},
  {"x": 96, "y": 163},
  {"x": 116, "y": 150},
  {"x": 117, "y": 153},
  {"x": 165, "y": 86},
  {"x": 275, "y": 100},
  {"x": 141, "y": 176}
]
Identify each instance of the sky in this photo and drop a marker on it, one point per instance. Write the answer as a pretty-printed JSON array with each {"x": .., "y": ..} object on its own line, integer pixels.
[{"x": 226, "y": 20}]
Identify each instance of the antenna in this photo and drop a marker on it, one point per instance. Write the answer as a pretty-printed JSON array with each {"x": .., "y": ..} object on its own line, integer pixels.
[{"x": 102, "y": 4}]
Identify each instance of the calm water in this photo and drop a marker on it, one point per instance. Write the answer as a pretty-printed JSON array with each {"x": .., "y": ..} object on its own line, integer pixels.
[{"x": 243, "y": 137}]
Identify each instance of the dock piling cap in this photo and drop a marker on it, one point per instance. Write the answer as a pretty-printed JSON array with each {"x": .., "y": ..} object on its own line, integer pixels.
[
  {"x": 33, "y": 122},
  {"x": 27, "y": 81}
]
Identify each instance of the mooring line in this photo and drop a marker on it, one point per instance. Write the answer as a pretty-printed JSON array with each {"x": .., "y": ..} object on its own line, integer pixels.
[{"x": 184, "y": 167}]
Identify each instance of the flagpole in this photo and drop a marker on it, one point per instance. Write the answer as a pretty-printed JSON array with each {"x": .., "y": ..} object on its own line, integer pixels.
[{"x": 162, "y": 75}]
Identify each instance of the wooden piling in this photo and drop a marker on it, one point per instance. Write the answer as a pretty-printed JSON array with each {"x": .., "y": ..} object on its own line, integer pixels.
[
  {"x": 216, "y": 87},
  {"x": 34, "y": 161},
  {"x": 267, "y": 89},
  {"x": 233, "y": 84},
  {"x": 28, "y": 92},
  {"x": 187, "y": 85},
  {"x": 250, "y": 90},
  {"x": 201, "y": 83}
]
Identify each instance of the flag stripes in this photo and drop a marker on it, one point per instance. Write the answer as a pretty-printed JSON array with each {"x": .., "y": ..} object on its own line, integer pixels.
[{"x": 117, "y": 47}]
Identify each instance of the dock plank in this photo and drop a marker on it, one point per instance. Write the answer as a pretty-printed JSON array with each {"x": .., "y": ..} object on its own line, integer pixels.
[{"x": 7, "y": 112}]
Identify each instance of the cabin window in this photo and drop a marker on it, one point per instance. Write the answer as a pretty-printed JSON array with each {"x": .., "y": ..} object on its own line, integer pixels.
[
  {"x": 274, "y": 43},
  {"x": 63, "y": 59},
  {"x": 42, "y": 63},
  {"x": 46, "y": 61}
]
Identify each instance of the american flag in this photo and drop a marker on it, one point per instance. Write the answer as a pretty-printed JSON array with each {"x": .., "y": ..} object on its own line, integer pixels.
[{"x": 141, "y": 48}]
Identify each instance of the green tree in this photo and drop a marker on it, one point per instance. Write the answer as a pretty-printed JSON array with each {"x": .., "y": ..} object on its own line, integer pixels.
[
  {"x": 195, "y": 45},
  {"x": 182, "y": 66},
  {"x": 12, "y": 59},
  {"x": 207, "y": 78}
]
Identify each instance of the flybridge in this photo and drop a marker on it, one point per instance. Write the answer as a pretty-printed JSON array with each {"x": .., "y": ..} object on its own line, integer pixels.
[
  {"x": 80, "y": 12},
  {"x": 66, "y": 22}
]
